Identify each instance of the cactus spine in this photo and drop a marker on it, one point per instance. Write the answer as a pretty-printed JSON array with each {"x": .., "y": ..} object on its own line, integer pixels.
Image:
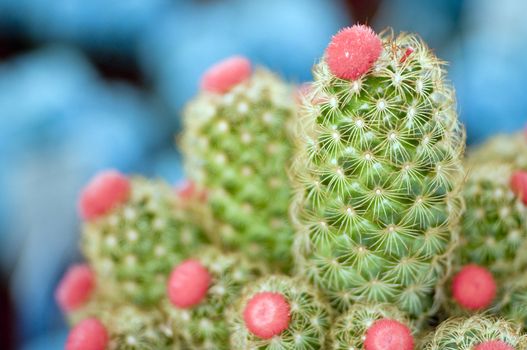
[
  {"x": 378, "y": 174},
  {"x": 262, "y": 321},
  {"x": 476, "y": 333},
  {"x": 236, "y": 145},
  {"x": 204, "y": 326}
]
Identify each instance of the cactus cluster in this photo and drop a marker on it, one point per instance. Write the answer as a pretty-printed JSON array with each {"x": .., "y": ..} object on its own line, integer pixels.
[
  {"x": 378, "y": 176},
  {"x": 341, "y": 219},
  {"x": 236, "y": 145}
]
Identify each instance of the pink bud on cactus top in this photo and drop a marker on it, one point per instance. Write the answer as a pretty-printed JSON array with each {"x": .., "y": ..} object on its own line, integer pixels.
[
  {"x": 519, "y": 185},
  {"x": 75, "y": 287},
  {"x": 494, "y": 345},
  {"x": 474, "y": 287},
  {"x": 89, "y": 334},
  {"x": 188, "y": 190},
  {"x": 353, "y": 51},
  {"x": 386, "y": 334},
  {"x": 224, "y": 75},
  {"x": 104, "y": 192},
  {"x": 188, "y": 284},
  {"x": 267, "y": 314}
]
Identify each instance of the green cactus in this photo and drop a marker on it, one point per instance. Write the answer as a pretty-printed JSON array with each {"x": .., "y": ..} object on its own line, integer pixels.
[
  {"x": 204, "y": 325},
  {"x": 377, "y": 174},
  {"x": 303, "y": 325},
  {"x": 236, "y": 146},
  {"x": 349, "y": 330},
  {"x": 504, "y": 148},
  {"x": 129, "y": 327},
  {"x": 475, "y": 333},
  {"x": 133, "y": 247}
]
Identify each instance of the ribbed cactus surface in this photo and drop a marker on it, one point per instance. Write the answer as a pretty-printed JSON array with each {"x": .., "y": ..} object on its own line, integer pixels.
[
  {"x": 378, "y": 173},
  {"x": 204, "y": 325},
  {"x": 279, "y": 312},
  {"x": 133, "y": 246},
  {"x": 236, "y": 145},
  {"x": 476, "y": 333}
]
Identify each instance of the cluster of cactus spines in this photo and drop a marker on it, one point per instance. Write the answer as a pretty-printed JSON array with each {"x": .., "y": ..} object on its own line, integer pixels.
[
  {"x": 134, "y": 235},
  {"x": 503, "y": 148},
  {"x": 200, "y": 290},
  {"x": 127, "y": 327},
  {"x": 372, "y": 327},
  {"x": 378, "y": 173},
  {"x": 279, "y": 312},
  {"x": 235, "y": 143},
  {"x": 476, "y": 333}
]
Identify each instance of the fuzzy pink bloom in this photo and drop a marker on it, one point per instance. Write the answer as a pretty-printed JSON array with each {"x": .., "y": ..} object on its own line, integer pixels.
[
  {"x": 224, "y": 75},
  {"x": 386, "y": 334},
  {"x": 519, "y": 185},
  {"x": 75, "y": 287},
  {"x": 188, "y": 284},
  {"x": 104, "y": 192},
  {"x": 494, "y": 345},
  {"x": 187, "y": 190},
  {"x": 267, "y": 314},
  {"x": 474, "y": 287},
  {"x": 89, "y": 334},
  {"x": 353, "y": 51}
]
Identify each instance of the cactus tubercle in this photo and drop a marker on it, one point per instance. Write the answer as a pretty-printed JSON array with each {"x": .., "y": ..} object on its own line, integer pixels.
[
  {"x": 267, "y": 314},
  {"x": 75, "y": 287},
  {"x": 105, "y": 191},
  {"x": 89, "y": 334},
  {"x": 474, "y": 287},
  {"x": 353, "y": 51},
  {"x": 386, "y": 334},
  {"x": 224, "y": 75}
]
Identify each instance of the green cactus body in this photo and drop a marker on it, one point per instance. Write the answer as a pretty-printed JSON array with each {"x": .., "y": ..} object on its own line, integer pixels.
[
  {"x": 204, "y": 326},
  {"x": 236, "y": 146},
  {"x": 130, "y": 327},
  {"x": 513, "y": 304},
  {"x": 504, "y": 148},
  {"x": 349, "y": 329},
  {"x": 309, "y": 317},
  {"x": 133, "y": 248},
  {"x": 494, "y": 225},
  {"x": 378, "y": 174},
  {"x": 468, "y": 333}
]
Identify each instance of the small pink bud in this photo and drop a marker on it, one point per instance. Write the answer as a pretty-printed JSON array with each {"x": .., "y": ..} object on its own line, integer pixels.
[
  {"x": 386, "y": 334},
  {"x": 494, "y": 345},
  {"x": 267, "y": 314},
  {"x": 188, "y": 190},
  {"x": 224, "y": 75},
  {"x": 75, "y": 287},
  {"x": 474, "y": 287},
  {"x": 89, "y": 334},
  {"x": 188, "y": 284},
  {"x": 518, "y": 185},
  {"x": 105, "y": 191},
  {"x": 407, "y": 53},
  {"x": 353, "y": 51}
]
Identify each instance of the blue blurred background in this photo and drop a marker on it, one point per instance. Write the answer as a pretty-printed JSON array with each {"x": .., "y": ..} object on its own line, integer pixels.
[{"x": 86, "y": 85}]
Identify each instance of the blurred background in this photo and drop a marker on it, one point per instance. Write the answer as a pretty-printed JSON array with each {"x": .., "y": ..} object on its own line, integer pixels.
[{"x": 87, "y": 85}]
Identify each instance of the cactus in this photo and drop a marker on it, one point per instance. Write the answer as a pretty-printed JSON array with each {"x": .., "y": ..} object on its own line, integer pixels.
[
  {"x": 510, "y": 149},
  {"x": 127, "y": 327},
  {"x": 280, "y": 312},
  {"x": 201, "y": 290},
  {"x": 476, "y": 333},
  {"x": 135, "y": 232},
  {"x": 372, "y": 327},
  {"x": 236, "y": 146},
  {"x": 378, "y": 173}
]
